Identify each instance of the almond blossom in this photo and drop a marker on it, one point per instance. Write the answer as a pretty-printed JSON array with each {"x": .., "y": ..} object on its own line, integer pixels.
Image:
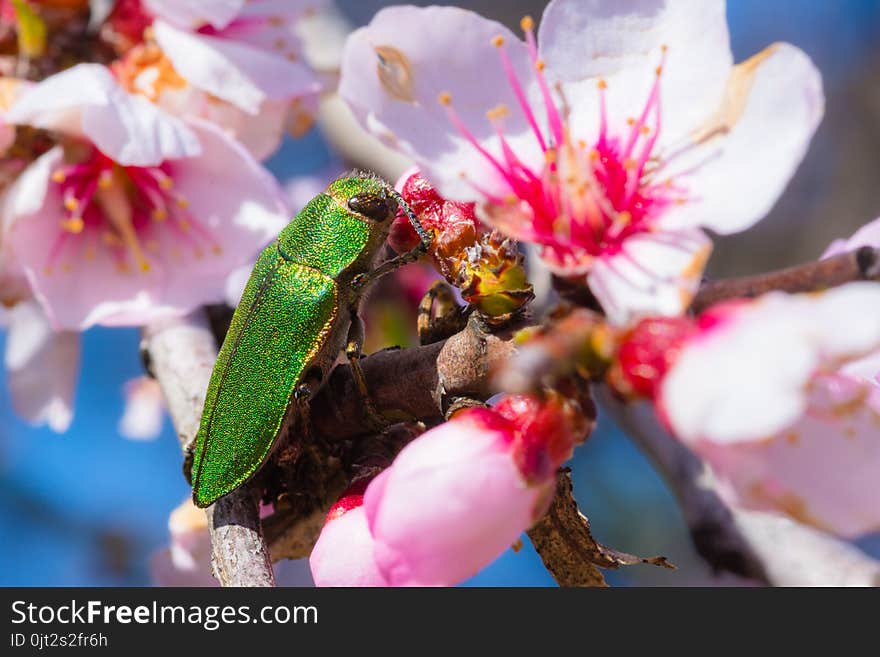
[
  {"x": 144, "y": 409},
  {"x": 135, "y": 214},
  {"x": 610, "y": 138},
  {"x": 187, "y": 561},
  {"x": 236, "y": 63},
  {"x": 777, "y": 396},
  {"x": 454, "y": 499}
]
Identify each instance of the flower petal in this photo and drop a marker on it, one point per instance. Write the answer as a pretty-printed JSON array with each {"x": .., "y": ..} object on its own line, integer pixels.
[
  {"x": 144, "y": 409},
  {"x": 193, "y": 14},
  {"x": 747, "y": 376},
  {"x": 392, "y": 79},
  {"x": 653, "y": 274},
  {"x": 86, "y": 101},
  {"x": 755, "y": 142},
  {"x": 41, "y": 367},
  {"x": 623, "y": 42},
  {"x": 236, "y": 72},
  {"x": 867, "y": 235},
  {"x": 823, "y": 470}
]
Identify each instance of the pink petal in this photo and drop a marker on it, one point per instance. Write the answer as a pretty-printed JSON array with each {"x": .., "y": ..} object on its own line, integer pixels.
[
  {"x": 86, "y": 101},
  {"x": 822, "y": 470},
  {"x": 144, "y": 409},
  {"x": 442, "y": 50},
  {"x": 451, "y": 503},
  {"x": 41, "y": 367},
  {"x": 343, "y": 554},
  {"x": 654, "y": 274},
  {"x": 236, "y": 72}
]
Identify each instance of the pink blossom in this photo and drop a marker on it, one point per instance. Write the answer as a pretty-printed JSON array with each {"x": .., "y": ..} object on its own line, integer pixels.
[
  {"x": 459, "y": 495},
  {"x": 144, "y": 409},
  {"x": 776, "y": 396},
  {"x": 136, "y": 214},
  {"x": 610, "y": 139},
  {"x": 343, "y": 555}
]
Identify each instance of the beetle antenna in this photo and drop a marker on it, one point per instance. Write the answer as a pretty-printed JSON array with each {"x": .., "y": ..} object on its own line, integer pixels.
[{"x": 424, "y": 237}]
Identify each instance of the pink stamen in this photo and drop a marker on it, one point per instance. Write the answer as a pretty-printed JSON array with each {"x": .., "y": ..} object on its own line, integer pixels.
[{"x": 521, "y": 96}]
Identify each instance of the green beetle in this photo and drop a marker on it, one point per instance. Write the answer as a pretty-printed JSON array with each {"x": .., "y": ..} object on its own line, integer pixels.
[{"x": 298, "y": 311}]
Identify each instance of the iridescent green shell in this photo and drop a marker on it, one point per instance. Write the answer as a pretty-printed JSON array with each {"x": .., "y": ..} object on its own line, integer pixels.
[{"x": 292, "y": 315}]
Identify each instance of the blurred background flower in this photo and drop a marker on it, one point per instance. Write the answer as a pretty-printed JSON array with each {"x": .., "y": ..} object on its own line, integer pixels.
[{"x": 89, "y": 508}]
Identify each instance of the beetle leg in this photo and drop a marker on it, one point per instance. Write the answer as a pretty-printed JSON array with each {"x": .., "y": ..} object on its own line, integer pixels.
[
  {"x": 439, "y": 316},
  {"x": 361, "y": 281},
  {"x": 354, "y": 345}
]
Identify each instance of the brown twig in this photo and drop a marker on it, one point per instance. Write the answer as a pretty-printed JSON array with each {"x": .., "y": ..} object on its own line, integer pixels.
[{"x": 859, "y": 265}]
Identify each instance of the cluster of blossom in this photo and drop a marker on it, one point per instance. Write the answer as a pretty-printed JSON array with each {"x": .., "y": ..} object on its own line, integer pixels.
[
  {"x": 131, "y": 185},
  {"x": 611, "y": 140}
]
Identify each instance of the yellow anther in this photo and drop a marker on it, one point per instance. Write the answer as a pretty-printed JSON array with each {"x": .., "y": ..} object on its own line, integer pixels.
[
  {"x": 58, "y": 176},
  {"x": 602, "y": 84},
  {"x": 73, "y": 225},
  {"x": 145, "y": 266},
  {"x": 497, "y": 112},
  {"x": 275, "y": 21},
  {"x": 645, "y": 130},
  {"x": 184, "y": 225},
  {"x": 539, "y": 65},
  {"x": 217, "y": 249},
  {"x": 105, "y": 180},
  {"x": 71, "y": 204},
  {"x": 498, "y": 41},
  {"x": 160, "y": 214},
  {"x": 629, "y": 163},
  {"x": 291, "y": 56},
  {"x": 279, "y": 43},
  {"x": 630, "y": 121},
  {"x": 166, "y": 182},
  {"x": 527, "y": 24},
  {"x": 664, "y": 48},
  {"x": 510, "y": 199},
  {"x": 594, "y": 155},
  {"x": 624, "y": 217},
  {"x": 182, "y": 202},
  {"x": 582, "y": 144},
  {"x": 658, "y": 71},
  {"x": 445, "y": 98},
  {"x": 550, "y": 155}
]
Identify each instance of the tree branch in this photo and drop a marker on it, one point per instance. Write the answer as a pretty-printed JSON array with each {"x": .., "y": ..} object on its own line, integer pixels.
[
  {"x": 763, "y": 546},
  {"x": 859, "y": 265},
  {"x": 181, "y": 355}
]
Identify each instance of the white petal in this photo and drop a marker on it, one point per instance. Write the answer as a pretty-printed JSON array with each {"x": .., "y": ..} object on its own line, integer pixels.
[
  {"x": 237, "y": 72},
  {"x": 747, "y": 377},
  {"x": 750, "y": 149},
  {"x": 441, "y": 50},
  {"x": 41, "y": 367},
  {"x": 654, "y": 274},
  {"x": 867, "y": 235},
  {"x": 622, "y": 41},
  {"x": 86, "y": 101},
  {"x": 822, "y": 471},
  {"x": 192, "y": 14},
  {"x": 144, "y": 409}
]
